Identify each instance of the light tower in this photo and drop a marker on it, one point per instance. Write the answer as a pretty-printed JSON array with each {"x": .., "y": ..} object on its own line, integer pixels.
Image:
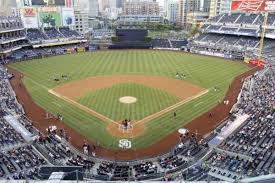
[
  {"x": 258, "y": 60},
  {"x": 263, "y": 27}
]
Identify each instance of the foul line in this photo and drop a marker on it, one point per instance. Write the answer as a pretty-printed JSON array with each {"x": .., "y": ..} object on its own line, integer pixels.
[
  {"x": 86, "y": 109},
  {"x": 144, "y": 120},
  {"x": 168, "y": 109}
]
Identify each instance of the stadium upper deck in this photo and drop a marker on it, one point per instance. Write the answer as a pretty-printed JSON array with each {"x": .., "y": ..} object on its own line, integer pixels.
[
  {"x": 234, "y": 35},
  {"x": 246, "y": 153}
]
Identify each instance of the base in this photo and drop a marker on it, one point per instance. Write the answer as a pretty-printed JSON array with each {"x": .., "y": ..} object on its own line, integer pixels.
[{"x": 129, "y": 128}]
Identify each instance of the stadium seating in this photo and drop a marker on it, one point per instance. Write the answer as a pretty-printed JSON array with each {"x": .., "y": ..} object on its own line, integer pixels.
[
  {"x": 10, "y": 23},
  {"x": 52, "y": 33},
  {"x": 232, "y": 35},
  {"x": 247, "y": 152},
  {"x": 49, "y": 149},
  {"x": 66, "y": 32},
  {"x": 161, "y": 43},
  {"x": 36, "y": 35}
]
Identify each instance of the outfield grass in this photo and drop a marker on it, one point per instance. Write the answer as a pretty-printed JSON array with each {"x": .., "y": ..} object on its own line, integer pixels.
[
  {"x": 206, "y": 72},
  {"x": 106, "y": 101}
]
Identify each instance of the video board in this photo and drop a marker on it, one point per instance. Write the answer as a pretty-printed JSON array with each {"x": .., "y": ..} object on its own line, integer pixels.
[{"x": 50, "y": 19}]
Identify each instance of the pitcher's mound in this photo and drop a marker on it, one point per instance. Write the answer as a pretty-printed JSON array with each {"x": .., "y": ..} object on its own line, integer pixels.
[{"x": 127, "y": 99}]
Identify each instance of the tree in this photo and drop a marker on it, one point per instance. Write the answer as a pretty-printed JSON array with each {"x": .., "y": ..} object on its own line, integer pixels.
[{"x": 194, "y": 30}]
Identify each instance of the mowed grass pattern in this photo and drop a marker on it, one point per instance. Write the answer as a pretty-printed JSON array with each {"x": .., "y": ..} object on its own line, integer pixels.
[
  {"x": 206, "y": 72},
  {"x": 149, "y": 100}
]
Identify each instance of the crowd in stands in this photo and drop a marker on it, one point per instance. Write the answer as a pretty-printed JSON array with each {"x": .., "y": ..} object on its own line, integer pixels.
[
  {"x": 153, "y": 169},
  {"x": 67, "y": 32},
  {"x": 255, "y": 139},
  {"x": 172, "y": 35},
  {"x": 52, "y": 33},
  {"x": 12, "y": 35},
  {"x": 9, "y": 36},
  {"x": 36, "y": 35},
  {"x": 242, "y": 19},
  {"x": 18, "y": 160},
  {"x": 10, "y": 23},
  {"x": 8, "y": 137},
  {"x": 248, "y": 152},
  {"x": 145, "y": 169},
  {"x": 30, "y": 53},
  {"x": 234, "y": 34},
  {"x": 22, "y": 160},
  {"x": 160, "y": 43}
]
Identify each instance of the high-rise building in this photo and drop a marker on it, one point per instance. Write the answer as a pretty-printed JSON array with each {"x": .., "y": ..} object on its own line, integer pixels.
[
  {"x": 111, "y": 13},
  {"x": 119, "y": 3},
  {"x": 103, "y": 4},
  {"x": 141, "y": 7},
  {"x": 81, "y": 12},
  {"x": 192, "y": 12},
  {"x": 171, "y": 10},
  {"x": 110, "y": 4},
  {"x": 186, "y": 7},
  {"x": 113, "y": 3},
  {"x": 93, "y": 8},
  {"x": 219, "y": 6},
  {"x": 225, "y": 6}
]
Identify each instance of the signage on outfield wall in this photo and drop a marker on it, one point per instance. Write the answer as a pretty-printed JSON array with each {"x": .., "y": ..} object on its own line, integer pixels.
[
  {"x": 212, "y": 53},
  {"x": 29, "y": 17},
  {"x": 253, "y": 5},
  {"x": 257, "y": 62}
]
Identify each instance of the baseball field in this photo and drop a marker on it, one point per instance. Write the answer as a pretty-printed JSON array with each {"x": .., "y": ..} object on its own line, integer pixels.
[{"x": 95, "y": 91}]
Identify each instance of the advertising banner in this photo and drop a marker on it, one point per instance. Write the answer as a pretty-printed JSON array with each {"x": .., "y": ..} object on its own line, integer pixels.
[
  {"x": 257, "y": 62},
  {"x": 29, "y": 17},
  {"x": 253, "y": 5},
  {"x": 68, "y": 17},
  {"x": 50, "y": 19},
  {"x": 81, "y": 49},
  {"x": 48, "y": 2},
  {"x": 69, "y": 3}
]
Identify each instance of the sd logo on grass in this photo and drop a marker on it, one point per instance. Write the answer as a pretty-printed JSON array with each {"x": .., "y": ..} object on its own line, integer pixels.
[{"x": 124, "y": 144}]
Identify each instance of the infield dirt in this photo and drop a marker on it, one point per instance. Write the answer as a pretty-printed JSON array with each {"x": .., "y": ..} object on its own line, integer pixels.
[
  {"x": 75, "y": 89},
  {"x": 202, "y": 125}
]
